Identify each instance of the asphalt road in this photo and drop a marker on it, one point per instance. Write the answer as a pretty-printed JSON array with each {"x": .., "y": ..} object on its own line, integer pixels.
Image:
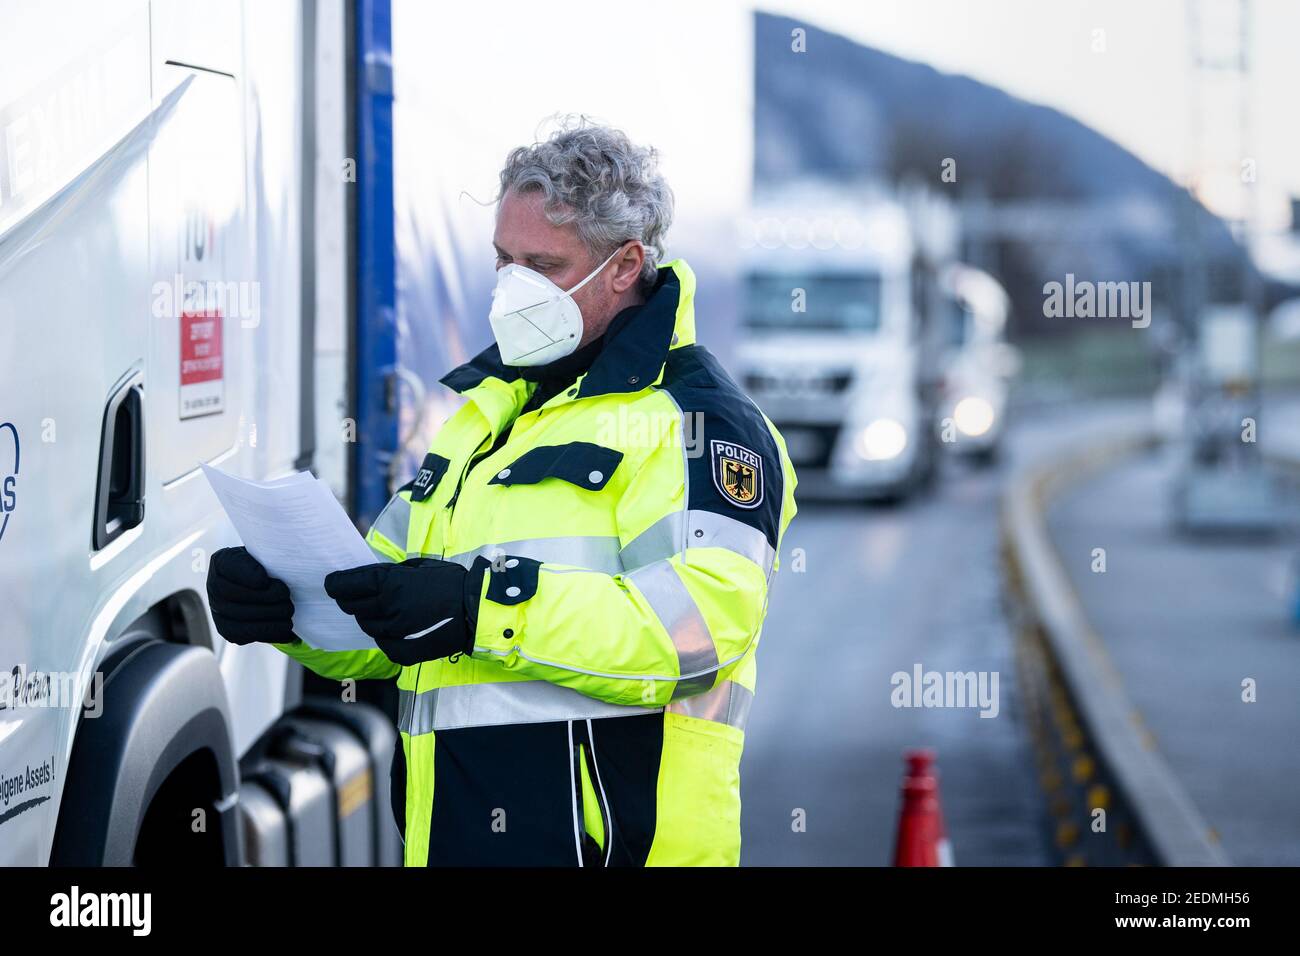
[
  {"x": 1186, "y": 620},
  {"x": 886, "y": 589}
]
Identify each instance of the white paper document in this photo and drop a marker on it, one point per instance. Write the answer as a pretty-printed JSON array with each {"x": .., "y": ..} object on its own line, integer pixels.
[{"x": 299, "y": 532}]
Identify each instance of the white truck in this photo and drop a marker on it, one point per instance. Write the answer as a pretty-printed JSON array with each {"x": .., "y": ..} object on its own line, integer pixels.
[
  {"x": 978, "y": 363},
  {"x": 839, "y": 312},
  {"x": 174, "y": 284}
]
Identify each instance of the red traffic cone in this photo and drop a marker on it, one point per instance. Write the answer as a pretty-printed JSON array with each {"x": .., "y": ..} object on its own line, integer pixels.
[
  {"x": 920, "y": 763},
  {"x": 918, "y": 824}
]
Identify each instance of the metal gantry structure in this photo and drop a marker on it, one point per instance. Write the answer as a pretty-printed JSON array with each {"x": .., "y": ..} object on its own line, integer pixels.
[{"x": 1222, "y": 483}]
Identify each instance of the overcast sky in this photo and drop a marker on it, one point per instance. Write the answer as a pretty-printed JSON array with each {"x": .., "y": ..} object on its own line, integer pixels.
[
  {"x": 1138, "y": 89},
  {"x": 679, "y": 74}
]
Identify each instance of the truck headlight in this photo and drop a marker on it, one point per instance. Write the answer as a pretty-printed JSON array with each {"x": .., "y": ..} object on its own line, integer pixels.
[
  {"x": 882, "y": 440},
  {"x": 973, "y": 416}
]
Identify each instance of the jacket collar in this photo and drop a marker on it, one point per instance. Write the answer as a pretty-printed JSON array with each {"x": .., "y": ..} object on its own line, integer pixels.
[{"x": 637, "y": 342}]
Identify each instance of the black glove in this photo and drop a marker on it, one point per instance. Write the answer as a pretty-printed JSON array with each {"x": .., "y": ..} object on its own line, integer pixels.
[
  {"x": 248, "y": 605},
  {"x": 419, "y": 610}
]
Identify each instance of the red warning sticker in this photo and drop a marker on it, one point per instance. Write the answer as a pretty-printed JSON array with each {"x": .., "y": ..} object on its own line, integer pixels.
[{"x": 202, "y": 374}]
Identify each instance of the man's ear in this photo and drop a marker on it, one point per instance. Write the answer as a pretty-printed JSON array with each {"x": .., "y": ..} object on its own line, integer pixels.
[{"x": 627, "y": 267}]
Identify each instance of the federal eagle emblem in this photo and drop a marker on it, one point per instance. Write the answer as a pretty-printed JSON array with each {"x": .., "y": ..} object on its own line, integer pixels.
[{"x": 737, "y": 473}]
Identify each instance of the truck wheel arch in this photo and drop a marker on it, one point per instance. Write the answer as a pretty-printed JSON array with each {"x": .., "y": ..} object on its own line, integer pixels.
[{"x": 163, "y": 704}]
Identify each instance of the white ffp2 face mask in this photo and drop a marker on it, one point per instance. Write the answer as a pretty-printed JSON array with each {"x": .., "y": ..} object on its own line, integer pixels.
[{"x": 534, "y": 320}]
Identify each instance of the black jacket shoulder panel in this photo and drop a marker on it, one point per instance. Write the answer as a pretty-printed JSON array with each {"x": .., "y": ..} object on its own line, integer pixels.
[{"x": 734, "y": 466}]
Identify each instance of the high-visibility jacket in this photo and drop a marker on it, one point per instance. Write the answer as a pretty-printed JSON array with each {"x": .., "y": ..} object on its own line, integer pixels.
[{"x": 633, "y": 523}]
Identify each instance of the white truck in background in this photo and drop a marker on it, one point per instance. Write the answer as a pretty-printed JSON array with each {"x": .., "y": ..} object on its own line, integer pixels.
[
  {"x": 173, "y": 253},
  {"x": 978, "y": 363},
  {"x": 839, "y": 311}
]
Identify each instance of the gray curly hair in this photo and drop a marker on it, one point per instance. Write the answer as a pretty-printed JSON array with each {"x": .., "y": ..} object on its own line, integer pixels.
[{"x": 596, "y": 178}]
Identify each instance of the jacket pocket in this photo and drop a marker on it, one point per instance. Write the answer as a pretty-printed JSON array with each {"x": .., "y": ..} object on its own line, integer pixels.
[
  {"x": 579, "y": 463},
  {"x": 698, "y": 799}
]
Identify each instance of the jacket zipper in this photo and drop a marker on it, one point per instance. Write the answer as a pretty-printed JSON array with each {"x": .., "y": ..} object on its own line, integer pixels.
[
  {"x": 450, "y": 506},
  {"x": 478, "y": 456}
]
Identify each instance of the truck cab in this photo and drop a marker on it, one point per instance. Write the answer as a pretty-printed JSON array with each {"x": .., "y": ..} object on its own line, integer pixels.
[{"x": 837, "y": 319}]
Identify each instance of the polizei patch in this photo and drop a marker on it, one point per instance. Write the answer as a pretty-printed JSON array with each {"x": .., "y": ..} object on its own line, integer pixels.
[
  {"x": 427, "y": 478},
  {"x": 737, "y": 473}
]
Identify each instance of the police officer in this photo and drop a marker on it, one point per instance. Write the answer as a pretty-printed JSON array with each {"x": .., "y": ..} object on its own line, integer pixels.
[{"x": 572, "y": 587}]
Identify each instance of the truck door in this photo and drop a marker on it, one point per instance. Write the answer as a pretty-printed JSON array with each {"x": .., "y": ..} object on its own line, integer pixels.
[{"x": 203, "y": 295}]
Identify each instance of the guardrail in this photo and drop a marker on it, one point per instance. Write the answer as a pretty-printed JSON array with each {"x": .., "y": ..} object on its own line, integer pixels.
[{"x": 1113, "y": 799}]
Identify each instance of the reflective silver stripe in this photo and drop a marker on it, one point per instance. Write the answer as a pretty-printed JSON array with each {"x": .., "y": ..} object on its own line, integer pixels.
[
  {"x": 661, "y": 540},
  {"x": 510, "y": 702},
  {"x": 728, "y": 703},
  {"x": 697, "y": 656},
  {"x": 593, "y": 552},
  {"x": 531, "y": 702},
  {"x": 382, "y": 556},
  {"x": 704, "y": 529},
  {"x": 407, "y": 719},
  {"x": 394, "y": 520}
]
